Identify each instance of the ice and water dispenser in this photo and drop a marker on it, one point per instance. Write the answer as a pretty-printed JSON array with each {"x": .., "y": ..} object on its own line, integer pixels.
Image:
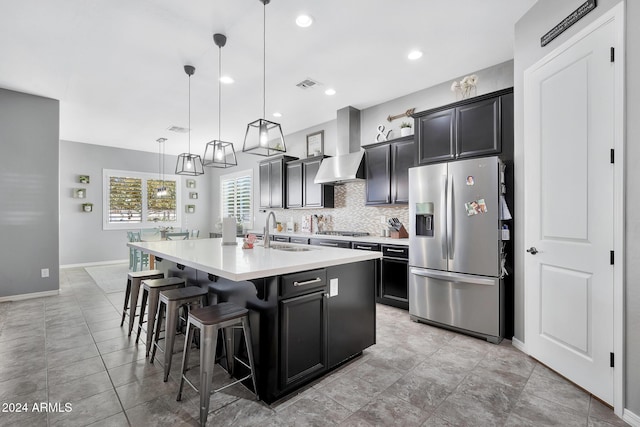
[{"x": 424, "y": 219}]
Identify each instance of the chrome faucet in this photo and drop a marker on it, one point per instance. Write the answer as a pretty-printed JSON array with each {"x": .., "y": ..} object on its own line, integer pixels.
[{"x": 266, "y": 241}]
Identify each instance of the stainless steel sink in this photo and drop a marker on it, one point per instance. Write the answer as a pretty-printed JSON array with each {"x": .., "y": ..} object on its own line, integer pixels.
[{"x": 289, "y": 248}]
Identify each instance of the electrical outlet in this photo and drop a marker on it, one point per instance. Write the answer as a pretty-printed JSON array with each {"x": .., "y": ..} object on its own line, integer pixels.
[
  {"x": 44, "y": 272},
  {"x": 383, "y": 219}
]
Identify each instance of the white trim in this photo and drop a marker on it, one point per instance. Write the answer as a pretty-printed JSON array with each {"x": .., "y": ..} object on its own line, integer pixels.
[
  {"x": 106, "y": 226},
  {"x": 631, "y": 418},
  {"x": 30, "y": 296},
  {"x": 94, "y": 264},
  {"x": 519, "y": 345},
  {"x": 234, "y": 176},
  {"x": 617, "y": 15}
]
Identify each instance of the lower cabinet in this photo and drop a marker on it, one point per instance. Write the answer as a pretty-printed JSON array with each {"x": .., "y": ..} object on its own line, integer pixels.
[
  {"x": 303, "y": 337},
  {"x": 394, "y": 277}
]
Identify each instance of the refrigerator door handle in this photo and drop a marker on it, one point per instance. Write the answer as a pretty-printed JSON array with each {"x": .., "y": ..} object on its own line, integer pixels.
[
  {"x": 443, "y": 217},
  {"x": 450, "y": 246},
  {"x": 453, "y": 277}
]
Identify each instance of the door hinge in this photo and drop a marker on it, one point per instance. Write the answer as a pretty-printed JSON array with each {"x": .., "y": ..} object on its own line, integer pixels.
[
  {"x": 613, "y": 54},
  {"x": 613, "y": 155},
  {"x": 611, "y": 257},
  {"x": 611, "y": 360}
]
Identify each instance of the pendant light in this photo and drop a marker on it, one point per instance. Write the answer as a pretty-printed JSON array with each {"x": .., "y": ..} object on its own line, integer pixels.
[
  {"x": 161, "y": 191},
  {"x": 263, "y": 137},
  {"x": 189, "y": 164},
  {"x": 218, "y": 153}
]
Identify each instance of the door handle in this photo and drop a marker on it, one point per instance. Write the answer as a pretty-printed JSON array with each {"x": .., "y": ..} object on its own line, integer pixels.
[{"x": 532, "y": 250}]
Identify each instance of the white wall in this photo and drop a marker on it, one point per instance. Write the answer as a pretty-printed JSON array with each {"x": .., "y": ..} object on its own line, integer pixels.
[
  {"x": 537, "y": 21},
  {"x": 29, "y": 132},
  {"x": 83, "y": 240}
]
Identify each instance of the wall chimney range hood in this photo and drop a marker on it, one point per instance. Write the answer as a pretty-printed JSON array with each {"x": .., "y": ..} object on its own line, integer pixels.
[{"x": 348, "y": 164}]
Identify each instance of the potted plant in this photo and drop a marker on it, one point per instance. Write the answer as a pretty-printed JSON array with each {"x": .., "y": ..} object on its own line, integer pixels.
[{"x": 405, "y": 129}]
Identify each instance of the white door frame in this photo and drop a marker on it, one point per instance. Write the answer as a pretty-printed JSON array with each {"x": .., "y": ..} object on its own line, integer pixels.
[{"x": 615, "y": 14}]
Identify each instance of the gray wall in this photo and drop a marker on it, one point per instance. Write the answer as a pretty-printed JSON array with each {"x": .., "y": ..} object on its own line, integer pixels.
[
  {"x": 83, "y": 240},
  {"x": 490, "y": 79},
  {"x": 29, "y": 134},
  {"x": 537, "y": 21}
]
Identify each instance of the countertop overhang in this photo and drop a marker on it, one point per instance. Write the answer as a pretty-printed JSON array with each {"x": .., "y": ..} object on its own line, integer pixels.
[{"x": 235, "y": 263}]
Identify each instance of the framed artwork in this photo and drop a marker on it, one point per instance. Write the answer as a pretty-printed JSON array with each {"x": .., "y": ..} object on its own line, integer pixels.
[
  {"x": 83, "y": 179},
  {"x": 193, "y": 195},
  {"x": 79, "y": 193},
  {"x": 315, "y": 144},
  {"x": 190, "y": 208},
  {"x": 191, "y": 183}
]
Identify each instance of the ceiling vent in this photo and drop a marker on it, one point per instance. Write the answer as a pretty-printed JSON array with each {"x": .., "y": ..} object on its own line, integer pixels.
[
  {"x": 308, "y": 84},
  {"x": 177, "y": 129}
]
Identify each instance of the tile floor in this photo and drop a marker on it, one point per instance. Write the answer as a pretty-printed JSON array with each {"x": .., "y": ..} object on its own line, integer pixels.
[{"x": 71, "y": 349}]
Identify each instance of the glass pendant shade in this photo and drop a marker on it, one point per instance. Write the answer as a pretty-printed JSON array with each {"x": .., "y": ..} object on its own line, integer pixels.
[
  {"x": 219, "y": 154},
  {"x": 189, "y": 164},
  {"x": 264, "y": 138}
]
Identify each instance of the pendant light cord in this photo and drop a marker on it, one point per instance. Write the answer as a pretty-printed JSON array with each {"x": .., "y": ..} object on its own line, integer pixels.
[
  {"x": 219, "y": 91},
  {"x": 264, "y": 60},
  {"x": 189, "y": 138}
]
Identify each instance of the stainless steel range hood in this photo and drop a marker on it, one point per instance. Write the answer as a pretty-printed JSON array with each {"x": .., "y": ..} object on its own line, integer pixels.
[{"x": 348, "y": 164}]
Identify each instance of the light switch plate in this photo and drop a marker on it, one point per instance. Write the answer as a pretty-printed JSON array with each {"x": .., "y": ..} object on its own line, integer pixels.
[
  {"x": 333, "y": 287},
  {"x": 44, "y": 272}
]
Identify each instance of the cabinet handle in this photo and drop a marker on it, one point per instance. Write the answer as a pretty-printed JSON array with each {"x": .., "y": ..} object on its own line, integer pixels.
[
  {"x": 395, "y": 250},
  {"x": 328, "y": 244},
  {"x": 366, "y": 248},
  {"x": 307, "y": 282}
]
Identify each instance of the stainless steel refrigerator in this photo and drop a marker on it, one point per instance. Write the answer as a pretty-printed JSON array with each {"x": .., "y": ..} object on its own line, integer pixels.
[{"x": 455, "y": 246}]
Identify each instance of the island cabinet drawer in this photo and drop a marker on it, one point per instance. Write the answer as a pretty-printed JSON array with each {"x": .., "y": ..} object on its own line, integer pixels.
[
  {"x": 280, "y": 239},
  {"x": 301, "y": 240},
  {"x": 366, "y": 246},
  {"x": 331, "y": 243},
  {"x": 303, "y": 282}
]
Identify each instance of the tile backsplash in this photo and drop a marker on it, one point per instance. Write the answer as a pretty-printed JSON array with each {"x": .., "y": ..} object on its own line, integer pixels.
[{"x": 349, "y": 213}]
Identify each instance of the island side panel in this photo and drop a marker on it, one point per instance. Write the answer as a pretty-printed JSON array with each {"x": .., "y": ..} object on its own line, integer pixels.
[{"x": 352, "y": 312}]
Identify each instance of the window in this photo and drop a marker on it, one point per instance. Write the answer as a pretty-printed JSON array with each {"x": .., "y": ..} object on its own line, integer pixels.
[
  {"x": 236, "y": 194},
  {"x": 131, "y": 200}
]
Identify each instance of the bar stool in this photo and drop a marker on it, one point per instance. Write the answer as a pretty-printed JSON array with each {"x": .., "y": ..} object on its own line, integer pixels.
[
  {"x": 169, "y": 307},
  {"x": 210, "y": 320},
  {"x": 134, "y": 279},
  {"x": 151, "y": 292}
]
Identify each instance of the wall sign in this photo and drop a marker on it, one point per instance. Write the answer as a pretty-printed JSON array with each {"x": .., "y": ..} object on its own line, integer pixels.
[{"x": 567, "y": 22}]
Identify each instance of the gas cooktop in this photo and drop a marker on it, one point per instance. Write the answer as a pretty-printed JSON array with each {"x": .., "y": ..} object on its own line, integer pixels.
[{"x": 343, "y": 233}]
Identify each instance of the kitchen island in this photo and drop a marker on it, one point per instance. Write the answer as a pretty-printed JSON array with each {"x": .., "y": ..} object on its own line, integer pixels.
[{"x": 314, "y": 307}]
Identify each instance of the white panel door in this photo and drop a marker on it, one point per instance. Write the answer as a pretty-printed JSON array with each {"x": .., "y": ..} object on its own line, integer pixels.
[{"x": 569, "y": 200}]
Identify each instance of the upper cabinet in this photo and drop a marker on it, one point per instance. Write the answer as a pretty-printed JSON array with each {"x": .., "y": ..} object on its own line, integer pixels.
[
  {"x": 387, "y": 166},
  {"x": 272, "y": 177},
  {"x": 302, "y": 192},
  {"x": 469, "y": 128}
]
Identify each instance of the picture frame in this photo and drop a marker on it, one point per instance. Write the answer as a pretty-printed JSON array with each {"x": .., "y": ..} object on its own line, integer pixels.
[
  {"x": 84, "y": 179},
  {"x": 191, "y": 183},
  {"x": 190, "y": 209},
  {"x": 315, "y": 144},
  {"x": 193, "y": 195},
  {"x": 80, "y": 193}
]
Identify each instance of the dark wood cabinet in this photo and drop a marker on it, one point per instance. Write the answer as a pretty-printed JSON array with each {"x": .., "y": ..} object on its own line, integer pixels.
[
  {"x": 394, "y": 276},
  {"x": 469, "y": 128},
  {"x": 294, "y": 185},
  {"x": 387, "y": 167},
  {"x": 272, "y": 181},
  {"x": 330, "y": 243},
  {"x": 302, "y": 192}
]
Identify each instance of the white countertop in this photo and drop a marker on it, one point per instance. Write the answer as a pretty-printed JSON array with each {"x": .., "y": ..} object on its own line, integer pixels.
[
  {"x": 369, "y": 239},
  {"x": 235, "y": 263}
]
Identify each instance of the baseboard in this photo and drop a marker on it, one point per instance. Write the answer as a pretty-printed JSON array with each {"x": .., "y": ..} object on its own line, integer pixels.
[
  {"x": 29, "y": 296},
  {"x": 95, "y": 264},
  {"x": 630, "y": 418},
  {"x": 519, "y": 345}
]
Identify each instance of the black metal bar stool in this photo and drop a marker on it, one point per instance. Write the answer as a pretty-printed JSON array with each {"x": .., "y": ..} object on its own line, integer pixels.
[
  {"x": 210, "y": 320},
  {"x": 134, "y": 279},
  {"x": 169, "y": 306},
  {"x": 151, "y": 292}
]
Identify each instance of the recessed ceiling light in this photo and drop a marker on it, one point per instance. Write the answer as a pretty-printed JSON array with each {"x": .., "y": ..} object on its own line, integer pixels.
[
  {"x": 414, "y": 54},
  {"x": 276, "y": 114},
  {"x": 330, "y": 92},
  {"x": 226, "y": 80},
  {"x": 304, "y": 21}
]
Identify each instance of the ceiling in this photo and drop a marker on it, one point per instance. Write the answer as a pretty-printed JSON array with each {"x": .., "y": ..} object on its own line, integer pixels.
[{"x": 117, "y": 65}]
